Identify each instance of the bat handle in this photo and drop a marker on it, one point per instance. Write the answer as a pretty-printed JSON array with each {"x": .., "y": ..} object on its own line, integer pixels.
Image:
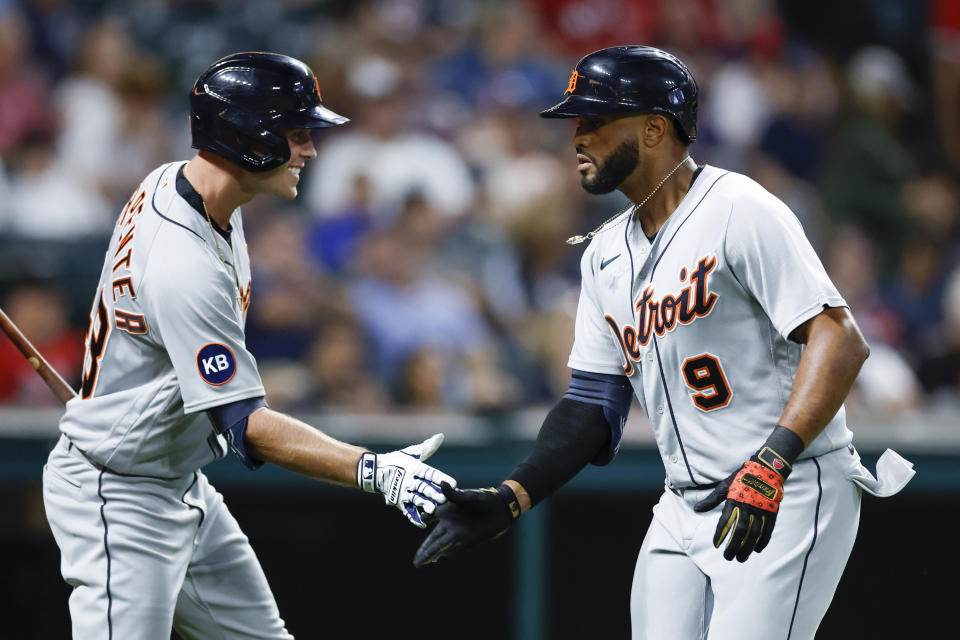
[{"x": 57, "y": 384}]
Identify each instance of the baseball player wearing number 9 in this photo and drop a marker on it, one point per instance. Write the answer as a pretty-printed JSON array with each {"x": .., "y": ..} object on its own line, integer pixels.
[
  {"x": 705, "y": 300},
  {"x": 146, "y": 542}
]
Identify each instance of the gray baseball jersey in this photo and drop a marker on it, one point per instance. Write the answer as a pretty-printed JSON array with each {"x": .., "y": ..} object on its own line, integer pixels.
[
  {"x": 166, "y": 337},
  {"x": 699, "y": 320}
]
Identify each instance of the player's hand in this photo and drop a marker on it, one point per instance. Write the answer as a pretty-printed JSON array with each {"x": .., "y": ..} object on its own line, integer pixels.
[
  {"x": 469, "y": 517},
  {"x": 751, "y": 499},
  {"x": 404, "y": 480}
]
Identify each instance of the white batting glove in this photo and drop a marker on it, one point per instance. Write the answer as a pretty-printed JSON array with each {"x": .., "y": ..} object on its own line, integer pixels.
[{"x": 404, "y": 480}]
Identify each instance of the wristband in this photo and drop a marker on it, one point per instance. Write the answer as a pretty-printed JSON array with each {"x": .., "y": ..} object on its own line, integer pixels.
[
  {"x": 367, "y": 472},
  {"x": 780, "y": 451},
  {"x": 510, "y": 499}
]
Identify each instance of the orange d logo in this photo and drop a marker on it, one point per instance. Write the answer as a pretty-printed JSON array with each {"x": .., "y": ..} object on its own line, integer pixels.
[
  {"x": 572, "y": 84},
  {"x": 317, "y": 83}
]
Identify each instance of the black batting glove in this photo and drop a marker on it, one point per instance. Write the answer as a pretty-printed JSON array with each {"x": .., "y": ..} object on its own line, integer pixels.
[
  {"x": 751, "y": 496},
  {"x": 469, "y": 517}
]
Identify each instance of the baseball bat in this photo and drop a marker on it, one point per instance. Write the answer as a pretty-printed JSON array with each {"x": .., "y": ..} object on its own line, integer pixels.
[{"x": 58, "y": 385}]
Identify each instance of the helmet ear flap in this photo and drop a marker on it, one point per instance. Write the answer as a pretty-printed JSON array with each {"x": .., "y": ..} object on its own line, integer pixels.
[{"x": 260, "y": 148}]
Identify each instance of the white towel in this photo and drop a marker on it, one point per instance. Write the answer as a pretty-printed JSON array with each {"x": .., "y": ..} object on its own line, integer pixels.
[{"x": 893, "y": 473}]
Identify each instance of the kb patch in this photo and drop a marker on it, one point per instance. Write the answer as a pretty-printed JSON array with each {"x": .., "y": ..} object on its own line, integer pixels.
[{"x": 216, "y": 364}]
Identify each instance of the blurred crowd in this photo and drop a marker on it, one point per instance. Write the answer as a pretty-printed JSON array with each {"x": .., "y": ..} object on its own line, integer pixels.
[{"x": 423, "y": 265}]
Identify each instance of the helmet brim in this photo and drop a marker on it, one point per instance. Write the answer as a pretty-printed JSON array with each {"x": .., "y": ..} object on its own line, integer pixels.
[
  {"x": 315, "y": 117},
  {"x": 574, "y": 106}
]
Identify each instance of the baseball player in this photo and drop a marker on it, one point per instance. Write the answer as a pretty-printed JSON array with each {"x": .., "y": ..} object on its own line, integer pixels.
[
  {"x": 705, "y": 300},
  {"x": 146, "y": 542}
]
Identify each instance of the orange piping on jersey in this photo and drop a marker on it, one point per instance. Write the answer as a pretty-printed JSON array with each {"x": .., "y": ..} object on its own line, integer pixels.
[
  {"x": 125, "y": 260},
  {"x": 133, "y": 207},
  {"x": 245, "y": 297},
  {"x": 630, "y": 342},
  {"x": 127, "y": 224},
  {"x": 130, "y": 322},
  {"x": 701, "y": 399},
  {"x": 668, "y": 306},
  {"x": 95, "y": 345},
  {"x": 120, "y": 284},
  {"x": 126, "y": 239},
  {"x": 660, "y": 317},
  {"x": 628, "y": 366}
]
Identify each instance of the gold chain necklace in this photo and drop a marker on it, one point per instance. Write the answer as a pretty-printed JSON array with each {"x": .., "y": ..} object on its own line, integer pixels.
[
  {"x": 632, "y": 210},
  {"x": 236, "y": 279}
]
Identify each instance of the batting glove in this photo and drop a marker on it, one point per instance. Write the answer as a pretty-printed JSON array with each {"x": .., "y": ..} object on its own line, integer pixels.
[
  {"x": 404, "y": 480},
  {"x": 469, "y": 517},
  {"x": 751, "y": 496}
]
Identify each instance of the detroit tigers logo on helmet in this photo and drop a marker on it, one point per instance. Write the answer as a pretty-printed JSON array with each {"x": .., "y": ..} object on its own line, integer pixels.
[{"x": 216, "y": 364}]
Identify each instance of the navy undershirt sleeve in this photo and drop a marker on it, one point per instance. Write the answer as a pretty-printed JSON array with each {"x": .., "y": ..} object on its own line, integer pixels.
[
  {"x": 585, "y": 426},
  {"x": 611, "y": 392},
  {"x": 572, "y": 434},
  {"x": 230, "y": 420}
]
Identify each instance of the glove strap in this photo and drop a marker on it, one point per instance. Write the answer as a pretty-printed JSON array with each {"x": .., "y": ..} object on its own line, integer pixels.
[
  {"x": 780, "y": 451},
  {"x": 510, "y": 499},
  {"x": 367, "y": 472}
]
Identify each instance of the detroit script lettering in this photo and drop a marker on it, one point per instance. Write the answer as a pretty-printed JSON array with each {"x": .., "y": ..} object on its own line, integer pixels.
[{"x": 660, "y": 316}]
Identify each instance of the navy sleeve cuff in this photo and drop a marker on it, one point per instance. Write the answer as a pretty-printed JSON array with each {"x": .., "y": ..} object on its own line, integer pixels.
[
  {"x": 225, "y": 416},
  {"x": 230, "y": 420}
]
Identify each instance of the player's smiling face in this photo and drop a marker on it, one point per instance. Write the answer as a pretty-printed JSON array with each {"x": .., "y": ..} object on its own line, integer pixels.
[
  {"x": 607, "y": 151},
  {"x": 282, "y": 181}
]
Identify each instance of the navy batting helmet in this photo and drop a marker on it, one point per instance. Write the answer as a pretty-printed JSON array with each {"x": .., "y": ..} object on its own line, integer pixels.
[
  {"x": 631, "y": 79},
  {"x": 242, "y": 106}
]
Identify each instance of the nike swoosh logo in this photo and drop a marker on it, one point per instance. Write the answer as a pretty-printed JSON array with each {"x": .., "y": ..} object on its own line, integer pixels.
[{"x": 603, "y": 265}]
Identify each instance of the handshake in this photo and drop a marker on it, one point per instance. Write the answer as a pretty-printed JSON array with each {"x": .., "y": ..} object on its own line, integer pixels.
[{"x": 425, "y": 494}]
